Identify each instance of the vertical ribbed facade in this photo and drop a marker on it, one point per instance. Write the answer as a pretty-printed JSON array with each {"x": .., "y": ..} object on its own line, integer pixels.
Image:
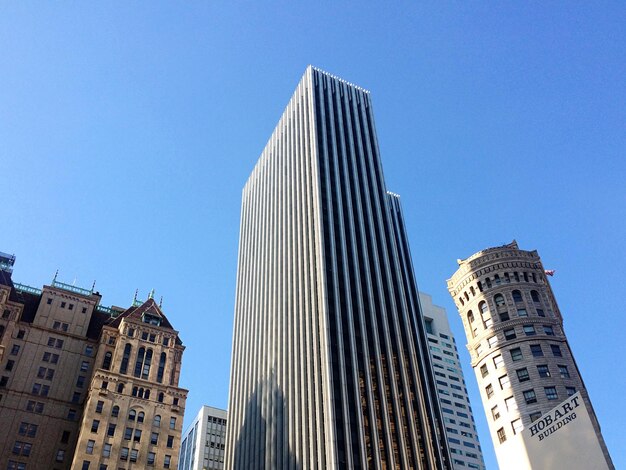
[{"x": 330, "y": 364}]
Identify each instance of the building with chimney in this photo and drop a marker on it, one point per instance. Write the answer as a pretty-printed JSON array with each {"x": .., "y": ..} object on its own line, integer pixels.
[
  {"x": 85, "y": 386},
  {"x": 330, "y": 365}
]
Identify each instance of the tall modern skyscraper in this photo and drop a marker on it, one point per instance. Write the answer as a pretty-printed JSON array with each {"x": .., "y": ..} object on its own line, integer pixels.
[
  {"x": 330, "y": 365},
  {"x": 537, "y": 406},
  {"x": 458, "y": 416}
]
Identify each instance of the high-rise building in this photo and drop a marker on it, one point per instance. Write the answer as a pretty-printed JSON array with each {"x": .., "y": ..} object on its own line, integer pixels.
[
  {"x": 524, "y": 364},
  {"x": 330, "y": 365},
  {"x": 203, "y": 442},
  {"x": 458, "y": 416},
  {"x": 85, "y": 386}
]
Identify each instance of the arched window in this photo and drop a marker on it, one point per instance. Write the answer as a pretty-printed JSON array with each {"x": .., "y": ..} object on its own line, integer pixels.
[
  {"x": 141, "y": 354},
  {"x": 516, "y": 276},
  {"x": 132, "y": 414},
  {"x": 115, "y": 411},
  {"x": 466, "y": 296},
  {"x": 146, "y": 394},
  {"x": 526, "y": 277},
  {"x": 534, "y": 295},
  {"x": 161, "y": 397},
  {"x": 517, "y": 296},
  {"x": 106, "y": 362},
  {"x": 534, "y": 278},
  {"x": 461, "y": 300},
  {"x": 480, "y": 286},
  {"x": 157, "y": 421},
  {"x": 499, "y": 300},
  {"x": 470, "y": 320},
  {"x": 120, "y": 388},
  {"x": 488, "y": 282},
  {"x": 507, "y": 278},
  {"x": 135, "y": 391},
  {"x": 140, "y": 417},
  {"x": 161, "y": 369},
  {"x": 140, "y": 392},
  {"x": 485, "y": 315},
  {"x": 125, "y": 359},
  {"x": 496, "y": 279},
  {"x": 472, "y": 291},
  {"x": 146, "y": 365}
]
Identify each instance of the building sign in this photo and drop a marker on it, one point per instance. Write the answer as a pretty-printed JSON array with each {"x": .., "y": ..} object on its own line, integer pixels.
[{"x": 564, "y": 438}]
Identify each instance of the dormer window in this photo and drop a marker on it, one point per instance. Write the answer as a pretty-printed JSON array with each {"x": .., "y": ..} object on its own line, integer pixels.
[{"x": 151, "y": 319}]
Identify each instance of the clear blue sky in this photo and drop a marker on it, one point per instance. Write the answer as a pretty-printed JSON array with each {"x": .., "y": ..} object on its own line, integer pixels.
[{"x": 128, "y": 129}]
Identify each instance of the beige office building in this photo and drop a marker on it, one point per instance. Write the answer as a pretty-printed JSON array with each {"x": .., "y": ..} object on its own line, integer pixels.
[
  {"x": 523, "y": 362},
  {"x": 84, "y": 386}
]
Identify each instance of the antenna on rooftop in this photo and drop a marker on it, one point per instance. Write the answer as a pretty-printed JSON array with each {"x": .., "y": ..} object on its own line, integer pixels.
[
  {"x": 55, "y": 276},
  {"x": 135, "y": 297},
  {"x": 161, "y": 302}
]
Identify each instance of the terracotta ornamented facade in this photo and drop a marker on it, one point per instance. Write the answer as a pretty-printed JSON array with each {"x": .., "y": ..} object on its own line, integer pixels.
[{"x": 84, "y": 386}]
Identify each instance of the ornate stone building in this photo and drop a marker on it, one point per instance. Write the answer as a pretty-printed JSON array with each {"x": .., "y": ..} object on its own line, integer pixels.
[
  {"x": 84, "y": 386},
  {"x": 520, "y": 354}
]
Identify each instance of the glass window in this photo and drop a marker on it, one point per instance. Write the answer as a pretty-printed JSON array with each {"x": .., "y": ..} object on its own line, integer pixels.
[
  {"x": 501, "y": 435},
  {"x": 510, "y": 333},
  {"x": 521, "y": 312},
  {"x": 522, "y": 374},
  {"x": 543, "y": 370},
  {"x": 517, "y": 425},
  {"x": 90, "y": 445},
  {"x": 530, "y": 396},
  {"x": 547, "y": 329},
  {"x": 540, "y": 312},
  {"x": 534, "y": 295},
  {"x": 495, "y": 413},
  {"x": 99, "y": 406},
  {"x": 564, "y": 372},
  {"x": 106, "y": 450},
  {"x": 493, "y": 341},
  {"x": 516, "y": 354},
  {"x": 517, "y": 296},
  {"x": 551, "y": 393},
  {"x": 499, "y": 300},
  {"x": 556, "y": 350},
  {"x": 535, "y": 416},
  {"x": 489, "y": 390},
  {"x": 529, "y": 330},
  {"x": 536, "y": 350},
  {"x": 570, "y": 391},
  {"x": 483, "y": 370},
  {"x": 504, "y": 316},
  {"x": 504, "y": 382},
  {"x": 497, "y": 361},
  {"x": 94, "y": 425}
]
